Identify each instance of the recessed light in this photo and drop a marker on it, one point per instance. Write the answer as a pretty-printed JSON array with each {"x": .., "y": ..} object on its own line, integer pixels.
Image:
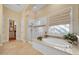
[{"x": 34, "y": 7}]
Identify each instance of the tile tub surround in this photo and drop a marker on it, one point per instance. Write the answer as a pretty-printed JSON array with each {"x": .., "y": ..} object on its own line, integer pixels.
[
  {"x": 18, "y": 48},
  {"x": 48, "y": 49},
  {"x": 73, "y": 51},
  {"x": 56, "y": 43}
]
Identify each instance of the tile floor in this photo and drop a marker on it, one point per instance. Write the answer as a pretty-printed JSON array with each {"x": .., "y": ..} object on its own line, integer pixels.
[{"x": 18, "y": 48}]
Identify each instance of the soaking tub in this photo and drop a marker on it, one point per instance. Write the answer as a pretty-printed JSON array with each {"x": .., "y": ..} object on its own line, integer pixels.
[
  {"x": 53, "y": 46},
  {"x": 57, "y": 42}
]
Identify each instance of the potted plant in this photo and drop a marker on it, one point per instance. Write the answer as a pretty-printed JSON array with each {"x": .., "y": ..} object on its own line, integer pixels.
[
  {"x": 39, "y": 38},
  {"x": 71, "y": 38}
]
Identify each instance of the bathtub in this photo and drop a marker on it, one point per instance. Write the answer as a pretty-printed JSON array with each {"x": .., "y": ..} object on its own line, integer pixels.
[
  {"x": 57, "y": 42},
  {"x": 53, "y": 46}
]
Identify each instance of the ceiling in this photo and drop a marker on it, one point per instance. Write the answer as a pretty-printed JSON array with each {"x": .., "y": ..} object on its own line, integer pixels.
[
  {"x": 20, "y": 7},
  {"x": 37, "y": 7},
  {"x": 16, "y": 7}
]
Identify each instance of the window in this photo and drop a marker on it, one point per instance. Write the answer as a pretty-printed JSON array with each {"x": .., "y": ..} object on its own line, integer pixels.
[{"x": 59, "y": 29}]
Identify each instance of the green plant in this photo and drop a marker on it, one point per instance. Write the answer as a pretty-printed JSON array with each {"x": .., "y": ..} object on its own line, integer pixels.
[
  {"x": 71, "y": 38},
  {"x": 39, "y": 38}
]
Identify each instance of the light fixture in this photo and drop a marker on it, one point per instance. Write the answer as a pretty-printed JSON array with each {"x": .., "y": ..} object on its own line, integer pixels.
[{"x": 34, "y": 7}]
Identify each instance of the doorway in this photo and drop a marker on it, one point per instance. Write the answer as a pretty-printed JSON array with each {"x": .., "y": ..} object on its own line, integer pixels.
[{"x": 12, "y": 30}]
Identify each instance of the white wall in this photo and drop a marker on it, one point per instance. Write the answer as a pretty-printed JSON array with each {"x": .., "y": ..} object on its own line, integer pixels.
[
  {"x": 75, "y": 19},
  {"x": 1, "y": 22}
]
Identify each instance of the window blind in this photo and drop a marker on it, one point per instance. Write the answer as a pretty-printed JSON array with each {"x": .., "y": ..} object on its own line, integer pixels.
[{"x": 60, "y": 17}]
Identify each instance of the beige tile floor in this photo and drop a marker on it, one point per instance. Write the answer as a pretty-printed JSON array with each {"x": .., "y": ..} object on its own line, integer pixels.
[{"x": 18, "y": 48}]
